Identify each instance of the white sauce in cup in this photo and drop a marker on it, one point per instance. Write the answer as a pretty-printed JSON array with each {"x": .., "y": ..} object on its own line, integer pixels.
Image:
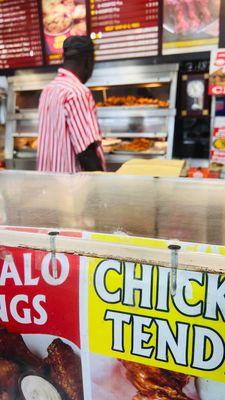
[{"x": 36, "y": 388}]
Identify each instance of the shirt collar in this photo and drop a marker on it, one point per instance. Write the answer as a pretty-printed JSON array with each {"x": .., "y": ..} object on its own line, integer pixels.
[{"x": 70, "y": 74}]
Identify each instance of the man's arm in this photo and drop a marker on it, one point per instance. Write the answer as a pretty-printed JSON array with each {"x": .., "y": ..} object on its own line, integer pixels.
[
  {"x": 89, "y": 160},
  {"x": 84, "y": 131}
]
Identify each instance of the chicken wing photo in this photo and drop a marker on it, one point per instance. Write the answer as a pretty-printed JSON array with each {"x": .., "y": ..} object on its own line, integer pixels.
[
  {"x": 65, "y": 369},
  {"x": 12, "y": 347}
]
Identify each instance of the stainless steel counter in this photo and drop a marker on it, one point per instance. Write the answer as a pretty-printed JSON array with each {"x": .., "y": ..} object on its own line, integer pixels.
[{"x": 188, "y": 210}]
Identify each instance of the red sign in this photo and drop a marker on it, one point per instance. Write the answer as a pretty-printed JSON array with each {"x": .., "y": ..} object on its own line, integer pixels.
[
  {"x": 39, "y": 330},
  {"x": 123, "y": 29},
  {"x": 217, "y": 73},
  {"x": 62, "y": 18},
  {"x": 35, "y": 300},
  {"x": 20, "y": 37}
]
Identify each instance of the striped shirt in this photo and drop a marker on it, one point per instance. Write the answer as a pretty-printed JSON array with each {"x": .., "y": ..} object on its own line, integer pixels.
[{"x": 67, "y": 124}]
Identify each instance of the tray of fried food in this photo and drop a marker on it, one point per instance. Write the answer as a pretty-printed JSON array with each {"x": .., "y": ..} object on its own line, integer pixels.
[
  {"x": 25, "y": 143},
  {"x": 133, "y": 101},
  {"x": 110, "y": 144},
  {"x": 136, "y": 145}
]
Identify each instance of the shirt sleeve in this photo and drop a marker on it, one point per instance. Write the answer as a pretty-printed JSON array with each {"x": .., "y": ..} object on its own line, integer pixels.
[{"x": 82, "y": 121}]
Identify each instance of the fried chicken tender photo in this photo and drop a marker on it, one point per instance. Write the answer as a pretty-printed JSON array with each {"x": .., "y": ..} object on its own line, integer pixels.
[
  {"x": 155, "y": 383},
  {"x": 12, "y": 347},
  {"x": 156, "y": 396},
  {"x": 65, "y": 369}
]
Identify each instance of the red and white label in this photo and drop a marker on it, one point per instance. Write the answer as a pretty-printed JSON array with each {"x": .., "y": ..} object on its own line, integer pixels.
[{"x": 35, "y": 298}]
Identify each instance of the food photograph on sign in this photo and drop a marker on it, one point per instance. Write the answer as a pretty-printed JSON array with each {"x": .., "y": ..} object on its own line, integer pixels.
[
  {"x": 217, "y": 73},
  {"x": 116, "y": 379},
  {"x": 217, "y": 153},
  {"x": 190, "y": 25},
  {"x": 39, "y": 367},
  {"x": 152, "y": 344},
  {"x": 62, "y": 18}
]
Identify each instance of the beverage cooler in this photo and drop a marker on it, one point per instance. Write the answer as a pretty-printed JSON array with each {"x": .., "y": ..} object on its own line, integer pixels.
[
  {"x": 135, "y": 105},
  {"x": 112, "y": 287}
]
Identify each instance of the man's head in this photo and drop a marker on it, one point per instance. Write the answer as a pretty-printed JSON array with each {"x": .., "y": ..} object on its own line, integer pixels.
[{"x": 79, "y": 56}]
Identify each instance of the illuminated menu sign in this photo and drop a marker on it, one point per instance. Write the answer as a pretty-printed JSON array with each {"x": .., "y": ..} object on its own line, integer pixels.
[
  {"x": 20, "y": 37},
  {"x": 195, "y": 28},
  {"x": 125, "y": 28}
]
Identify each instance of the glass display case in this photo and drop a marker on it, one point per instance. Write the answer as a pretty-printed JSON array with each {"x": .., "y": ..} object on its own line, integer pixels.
[
  {"x": 116, "y": 283},
  {"x": 112, "y": 203}
]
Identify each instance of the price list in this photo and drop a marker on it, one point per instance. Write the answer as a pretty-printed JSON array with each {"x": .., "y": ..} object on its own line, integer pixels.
[
  {"x": 125, "y": 28},
  {"x": 20, "y": 36}
]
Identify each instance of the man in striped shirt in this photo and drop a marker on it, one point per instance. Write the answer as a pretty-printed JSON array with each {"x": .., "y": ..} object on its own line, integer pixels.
[{"x": 70, "y": 139}]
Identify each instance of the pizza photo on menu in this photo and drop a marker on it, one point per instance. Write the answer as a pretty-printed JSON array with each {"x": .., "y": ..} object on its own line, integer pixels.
[
  {"x": 39, "y": 367},
  {"x": 190, "y": 23},
  {"x": 62, "y": 18}
]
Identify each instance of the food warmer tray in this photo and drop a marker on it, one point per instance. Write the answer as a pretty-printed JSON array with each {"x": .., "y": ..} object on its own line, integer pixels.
[{"x": 138, "y": 153}]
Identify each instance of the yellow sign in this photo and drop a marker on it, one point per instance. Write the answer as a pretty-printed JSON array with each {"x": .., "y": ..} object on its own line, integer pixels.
[{"x": 133, "y": 316}]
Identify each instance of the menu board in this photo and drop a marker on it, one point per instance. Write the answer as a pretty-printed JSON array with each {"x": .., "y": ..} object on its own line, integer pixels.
[
  {"x": 125, "y": 28},
  {"x": 20, "y": 37},
  {"x": 190, "y": 26},
  {"x": 62, "y": 18}
]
